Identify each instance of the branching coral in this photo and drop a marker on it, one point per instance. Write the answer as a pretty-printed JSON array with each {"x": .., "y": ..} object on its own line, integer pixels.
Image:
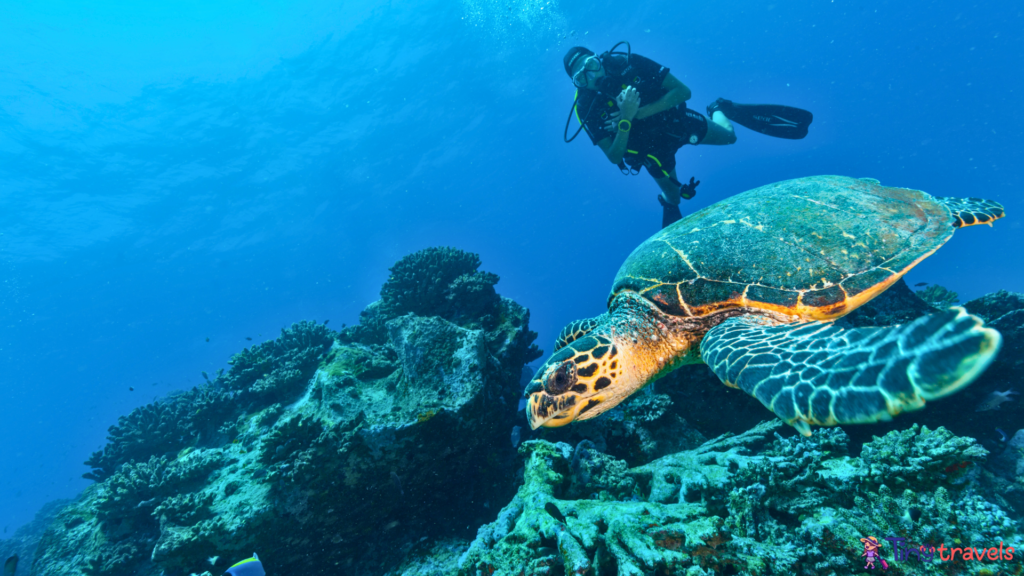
[
  {"x": 136, "y": 489},
  {"x": 438, "y": 281},
  {"x": 664, "y": 526},
  {"x": 117, "y": 559},
  {"x": 162, "y": 427},
  {"x": 441, "y": 282},
  {"x": 277, "y": 369},
  {"x": 184, "y": 509},
  {"x": 920, "y": 457},
  {"x": 280, "y": 368},
  {"x": 938, "y": 296},
  {"x": 745, "y": 505}
]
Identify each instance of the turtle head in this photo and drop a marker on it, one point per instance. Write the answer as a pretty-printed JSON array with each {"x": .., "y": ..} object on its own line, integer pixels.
[
  {"x": 600, "y": 362},
  {"x": 579, "y": 381}
]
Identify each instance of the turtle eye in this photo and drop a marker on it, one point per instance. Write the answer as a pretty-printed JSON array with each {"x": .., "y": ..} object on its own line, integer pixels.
[{"x": 561, "y": 379}]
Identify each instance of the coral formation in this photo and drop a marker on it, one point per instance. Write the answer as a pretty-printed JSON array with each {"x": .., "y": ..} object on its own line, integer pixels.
[
  {"x": 24, "y": 541},
  {"x": 275, "y": 370},
  {"x": 162, "y": 427},
  {"x": 939, "y": 296},
  {"x": 279, "y": 369},
  {"x": 756, "y": 503},
  {"x": 442, "y": 282},
  {"x": 318, "y": 452},
  {"x": 381, "y": 449},
  {"x": 897, "y": 305},
  {"x": 1004, "y": 311}
]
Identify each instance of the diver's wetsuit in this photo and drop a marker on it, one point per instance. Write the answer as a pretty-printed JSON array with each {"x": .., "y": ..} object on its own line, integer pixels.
[{"x": 653, "y": 141}]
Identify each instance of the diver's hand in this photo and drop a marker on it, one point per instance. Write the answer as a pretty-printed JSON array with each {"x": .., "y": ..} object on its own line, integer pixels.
[
  {"x": 629, "y": 102},
  {"x": 613, "y": 122},
  {"x": 688, "y": 191}
]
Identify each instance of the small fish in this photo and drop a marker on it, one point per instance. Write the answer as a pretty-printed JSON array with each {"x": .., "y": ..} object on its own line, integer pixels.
[
  {"x": 213, "y": 560},
  {"x": 1003, "y": 435},
  {"x": 249, "y": 339},
  {"x": 516, "y": 431},
  {"x": 11, "y": 565},
  {"x": 248, "y": 567},
  {"x": 397, "y": 482},
  {"x": 206, "y": 376},
  {"x": 131, "y": 389},
  {"x": 207, "y": 338},
  {"x": 993, "y": 400},
  {"x": 919, "y": 284},
  {"x": 550, "y": 508},
  {"x": 326, "y": 321}
]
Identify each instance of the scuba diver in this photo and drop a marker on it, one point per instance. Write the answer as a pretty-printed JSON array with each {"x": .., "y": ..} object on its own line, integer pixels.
[{"x": 635, "y": 111}]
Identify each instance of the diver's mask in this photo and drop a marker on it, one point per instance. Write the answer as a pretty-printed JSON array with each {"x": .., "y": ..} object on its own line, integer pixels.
[
  {"x": 581, "y": 79},
  {"x": 590, "y": 66}
]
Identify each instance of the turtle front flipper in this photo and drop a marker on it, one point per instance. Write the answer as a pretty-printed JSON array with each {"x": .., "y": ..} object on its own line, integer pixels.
[
  {"x": 971, "y": 211},
  {"x": 575, "y": 330},
  {"x": 817, "y": 373}
]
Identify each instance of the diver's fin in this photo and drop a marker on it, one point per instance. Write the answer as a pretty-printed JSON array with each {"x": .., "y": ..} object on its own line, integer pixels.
[
  {"x": 971, "y": 211},
  {"x": 817, "y": 373},
  {"x": 770, "y": 119},
  {"x": 670, "y": 213}
]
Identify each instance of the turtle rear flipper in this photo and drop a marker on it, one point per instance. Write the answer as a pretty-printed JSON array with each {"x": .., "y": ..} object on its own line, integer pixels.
[
  {"x": 817, "y": 373},
  {"x": 971, "y": 211}
]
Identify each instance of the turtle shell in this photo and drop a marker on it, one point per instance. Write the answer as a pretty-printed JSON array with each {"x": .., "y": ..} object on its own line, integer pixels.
[{"x": 814, "y": 247}]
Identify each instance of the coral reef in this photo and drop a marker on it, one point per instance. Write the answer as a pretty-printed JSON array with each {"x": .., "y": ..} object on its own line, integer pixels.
[
  {"x": 162, "y": 427},
  {"x": 756, "y": 503},
  {"x": 897, "y": 305},
  {"x": 645, "y": 427},
  {"x": 440, "y": 282},
  {"x": 939, "y": 296},
  {"x": 383, "y": 449},
  {"x": 278, "y": 369},
  {"x": 1004, "y": 311},
  {"x": 328, "y": 455},
  {"x": 24, "y": 541}
]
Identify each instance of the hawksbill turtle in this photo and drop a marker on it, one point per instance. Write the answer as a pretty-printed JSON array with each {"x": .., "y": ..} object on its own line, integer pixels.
[{"x": 750, "y": 286}]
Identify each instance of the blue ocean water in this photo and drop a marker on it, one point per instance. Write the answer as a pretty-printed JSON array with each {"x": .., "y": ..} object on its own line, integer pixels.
[{"x": 175, "y": 178}]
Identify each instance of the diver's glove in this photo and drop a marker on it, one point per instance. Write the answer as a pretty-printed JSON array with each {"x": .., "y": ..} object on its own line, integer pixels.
[{"x": 688, "y": 191}]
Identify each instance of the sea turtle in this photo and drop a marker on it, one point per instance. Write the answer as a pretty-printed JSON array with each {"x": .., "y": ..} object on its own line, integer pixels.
[{"x": 750, "y": 286}]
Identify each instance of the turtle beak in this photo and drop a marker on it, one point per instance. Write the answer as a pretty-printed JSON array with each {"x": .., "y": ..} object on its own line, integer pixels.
[{"x": 543, "y": 409}]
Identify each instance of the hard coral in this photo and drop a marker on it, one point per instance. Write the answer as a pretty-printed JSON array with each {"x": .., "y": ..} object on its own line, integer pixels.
[
  {"x": 136, "y": 489},
  {"x": 920, "y": 457},
  {"x": 743, "y": 505},
  {"x": 346, "y": 478},
  {"x": 938, "y": 296},
  {"x": 441, "y": 282},
  {"x": 161, "y": 428},
  {"x": 991, "y": 307},
  {"x": 897, "y": 305},
  {"x": 279, "y": 369},
  {"x": 436, "y": 281}
]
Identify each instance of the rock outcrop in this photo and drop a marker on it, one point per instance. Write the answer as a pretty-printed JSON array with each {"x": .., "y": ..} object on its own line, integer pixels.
[{"x": 326, "y": 452}]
